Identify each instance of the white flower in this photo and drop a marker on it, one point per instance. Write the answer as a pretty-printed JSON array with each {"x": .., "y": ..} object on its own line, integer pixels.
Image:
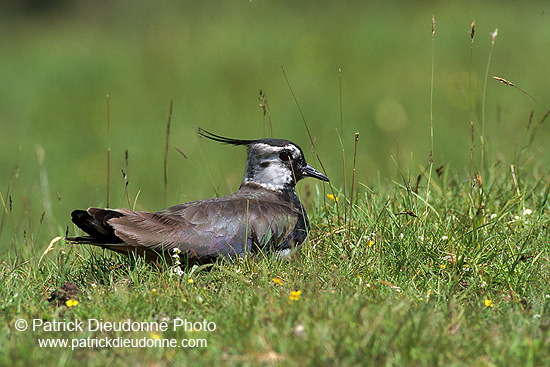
[
  {"x": 178, "y": 271},
  {"x": 527, "y": 212},
  {"x": 176, "y": 253}
]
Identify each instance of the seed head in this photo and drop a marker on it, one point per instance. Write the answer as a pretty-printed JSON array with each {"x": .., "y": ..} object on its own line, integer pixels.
[
  {"x": 502, "y": 80},
  {"x": 494, "y": 36}
]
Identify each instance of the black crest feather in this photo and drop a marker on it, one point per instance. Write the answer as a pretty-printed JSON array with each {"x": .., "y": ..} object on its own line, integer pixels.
[
  {"x": 224, "y": 140},
  {"x": 247, "y": 142}
]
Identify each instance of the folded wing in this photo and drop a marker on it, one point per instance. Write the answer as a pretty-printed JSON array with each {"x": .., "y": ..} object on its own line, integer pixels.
[{"x": 203, "y": 230}]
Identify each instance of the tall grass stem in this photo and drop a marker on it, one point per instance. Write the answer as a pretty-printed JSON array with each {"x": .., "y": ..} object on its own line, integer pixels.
[
  {"x": 483, "y": 101},
  {"x": 167, "y": 143},
  {"x": 108, "y": 101},
  {"x": 431, "y": 157}
]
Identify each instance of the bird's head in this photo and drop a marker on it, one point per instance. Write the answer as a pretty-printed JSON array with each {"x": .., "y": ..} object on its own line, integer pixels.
[{"x": 274, "y": 164}]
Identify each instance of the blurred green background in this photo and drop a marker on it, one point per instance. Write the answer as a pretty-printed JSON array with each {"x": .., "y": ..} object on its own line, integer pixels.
[{"x": 59, "y": 61}]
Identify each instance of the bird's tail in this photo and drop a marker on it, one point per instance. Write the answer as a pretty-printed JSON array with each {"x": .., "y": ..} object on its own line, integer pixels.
[{"x": 94, "y": 222}]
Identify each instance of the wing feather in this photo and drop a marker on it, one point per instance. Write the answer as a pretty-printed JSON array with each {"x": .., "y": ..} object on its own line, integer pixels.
[
  {"x": 207, "y": 230},
  {"x": 228, "y": 226}
]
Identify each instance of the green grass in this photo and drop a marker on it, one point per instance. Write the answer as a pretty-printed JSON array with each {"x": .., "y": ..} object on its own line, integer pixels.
[
  {"x": 382, "y": 289},
  {"x": 428, "y": 266}
]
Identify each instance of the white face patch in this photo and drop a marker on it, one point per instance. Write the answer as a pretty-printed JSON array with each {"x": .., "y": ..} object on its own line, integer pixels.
[{"x": 266, "y": 167}]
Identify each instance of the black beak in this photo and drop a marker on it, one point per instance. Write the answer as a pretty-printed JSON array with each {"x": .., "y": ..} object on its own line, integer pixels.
[{"x": 309, "y": 171}]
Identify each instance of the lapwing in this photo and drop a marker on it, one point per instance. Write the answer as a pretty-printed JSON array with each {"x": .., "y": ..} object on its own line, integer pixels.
[{"x": 263, "y": 216}]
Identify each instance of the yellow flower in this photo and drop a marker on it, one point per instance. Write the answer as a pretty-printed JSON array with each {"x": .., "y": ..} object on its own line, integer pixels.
[
  {"x": 190, "y": 281},
  {"x": 332, "y": 197},
  {"x": 295, "y": 295},
  {"x": 71, "y": 302},
  {"x": 154, "y": 335},
  {"x": 277, "y": 281},
  {"x": 489, "y": 303},
  {"x": 370, "y": 243}
]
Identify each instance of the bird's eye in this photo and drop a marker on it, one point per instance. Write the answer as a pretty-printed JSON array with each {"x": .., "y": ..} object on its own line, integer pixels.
[{"x": 284, "y": 156}]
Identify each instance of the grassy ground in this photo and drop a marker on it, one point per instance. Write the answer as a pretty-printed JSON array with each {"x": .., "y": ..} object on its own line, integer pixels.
[
  {"x": 408, "y": 262},
  {"x": 456, "y": 285}
]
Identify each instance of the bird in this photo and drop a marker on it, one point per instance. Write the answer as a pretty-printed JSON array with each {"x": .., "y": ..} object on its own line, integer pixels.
[{"x": 264, "y": 215}]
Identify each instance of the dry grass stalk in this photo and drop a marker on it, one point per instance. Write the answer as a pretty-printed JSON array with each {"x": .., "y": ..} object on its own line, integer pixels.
[{"x": 166, "y": 152}]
